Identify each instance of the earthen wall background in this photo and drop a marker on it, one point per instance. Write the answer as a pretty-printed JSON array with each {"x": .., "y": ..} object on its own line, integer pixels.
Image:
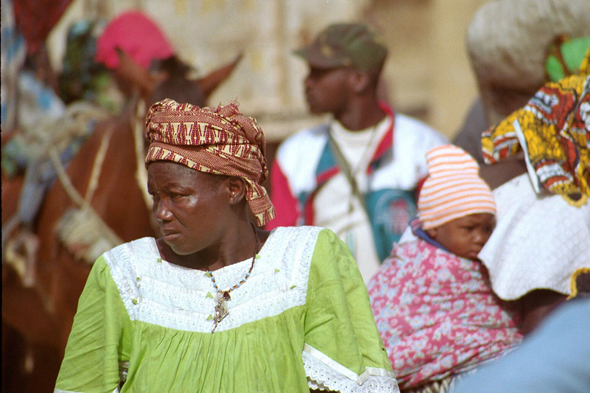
[{"x": 427, "y": 74}]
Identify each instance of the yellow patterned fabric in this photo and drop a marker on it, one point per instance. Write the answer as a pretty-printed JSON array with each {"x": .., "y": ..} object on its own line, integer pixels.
[
  {"x": 553, "y": 130},
  {"x": 218, "y": 140}
]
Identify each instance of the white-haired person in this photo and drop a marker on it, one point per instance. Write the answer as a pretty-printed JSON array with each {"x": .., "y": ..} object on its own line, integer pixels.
[{"x": 432, "y": 300}]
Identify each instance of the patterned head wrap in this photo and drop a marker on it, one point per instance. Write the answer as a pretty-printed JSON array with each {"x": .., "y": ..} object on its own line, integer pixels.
[
  {"x": 553, "y": 130},
  {"x": 218, "y": 140},
  {"x": 453, "y": 188}
]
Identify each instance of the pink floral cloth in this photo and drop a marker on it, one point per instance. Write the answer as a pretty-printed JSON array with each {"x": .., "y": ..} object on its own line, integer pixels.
[{"x": 437, "y": 314}]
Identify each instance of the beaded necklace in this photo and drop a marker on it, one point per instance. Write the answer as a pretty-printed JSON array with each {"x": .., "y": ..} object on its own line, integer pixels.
[{"x": 221, "y": 297}]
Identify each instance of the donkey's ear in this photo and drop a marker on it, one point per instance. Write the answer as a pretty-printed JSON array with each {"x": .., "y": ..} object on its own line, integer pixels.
[
  {"x": 135, "y": 74},
  {"x": 210, "y": 82}
]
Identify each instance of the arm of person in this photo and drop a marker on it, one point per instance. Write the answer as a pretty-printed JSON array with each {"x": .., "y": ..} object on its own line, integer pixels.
[
  {"x": 343, "y": 349},
  {"x": 96, "y": 342},
  {"x": 283, "y": 200},
  {"x": 536, "y": 306}
]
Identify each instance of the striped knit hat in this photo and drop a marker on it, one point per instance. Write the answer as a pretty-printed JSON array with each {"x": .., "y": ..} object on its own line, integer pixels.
[{"x": 453, "y": 188}]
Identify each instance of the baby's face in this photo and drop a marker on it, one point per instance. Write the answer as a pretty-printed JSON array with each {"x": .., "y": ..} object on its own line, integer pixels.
[{"x": 465, "y": 236}]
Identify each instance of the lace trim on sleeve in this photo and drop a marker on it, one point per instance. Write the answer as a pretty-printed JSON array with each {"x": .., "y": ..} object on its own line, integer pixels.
[{"x": 324, "y": 373}]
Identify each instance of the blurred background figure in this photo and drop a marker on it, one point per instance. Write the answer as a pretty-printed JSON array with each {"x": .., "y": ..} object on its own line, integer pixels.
[
  {"x": 81, "y": 76},
  {"x": 13, "y": 56},
  {"x": 534, "y": 270},
  {"x": 42, "y": 121},
  {"x": 552, "y": 131},
  {"x": 551, "y": 36},
  {"x": 359, "y": 174}
]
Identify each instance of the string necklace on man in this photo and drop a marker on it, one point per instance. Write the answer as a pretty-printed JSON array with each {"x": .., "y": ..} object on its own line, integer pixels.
[
  {"x": 351, "y": 177},
  {"x": 349, "y": 173},
  {"x": 223, "y": 296}
]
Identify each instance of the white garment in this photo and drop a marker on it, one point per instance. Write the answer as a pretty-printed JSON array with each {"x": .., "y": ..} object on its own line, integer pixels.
[
  {"x": 539, "y": 241},
  {"x": 402, "y": 167},
  {"x": 172, "y": 296},
  {"x": 335, "y": 206}
]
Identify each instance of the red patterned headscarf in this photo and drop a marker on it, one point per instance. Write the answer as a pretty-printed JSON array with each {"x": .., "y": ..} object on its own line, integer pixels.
[{"x": 218, "y": 140}]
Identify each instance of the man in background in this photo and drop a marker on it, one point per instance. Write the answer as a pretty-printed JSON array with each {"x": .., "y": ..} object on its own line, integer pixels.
[{"x": 360, "y": 173}]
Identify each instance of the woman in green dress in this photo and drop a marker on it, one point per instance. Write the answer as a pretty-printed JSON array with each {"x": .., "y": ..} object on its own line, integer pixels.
[{"x": 217, "y": 304}]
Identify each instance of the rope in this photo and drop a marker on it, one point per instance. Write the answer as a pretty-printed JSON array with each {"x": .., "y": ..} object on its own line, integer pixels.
[
  {"x": 82, "y": 230},
  {"x": 98, "y": 162},
  {"x": 141, "y": 171},
  {"x": 64, "y": 179}
]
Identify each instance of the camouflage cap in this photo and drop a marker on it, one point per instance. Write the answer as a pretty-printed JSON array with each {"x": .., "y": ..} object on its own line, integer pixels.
[{"x": 345, "y": 44}]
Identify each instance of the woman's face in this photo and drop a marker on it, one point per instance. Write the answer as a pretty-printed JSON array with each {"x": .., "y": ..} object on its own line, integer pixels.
[
  {"x": 465, "y": 236},
  {"x": 189, "y": 205}
]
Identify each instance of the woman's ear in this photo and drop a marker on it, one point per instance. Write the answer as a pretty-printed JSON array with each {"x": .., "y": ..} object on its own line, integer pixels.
[{"x": 237, "y": 189}]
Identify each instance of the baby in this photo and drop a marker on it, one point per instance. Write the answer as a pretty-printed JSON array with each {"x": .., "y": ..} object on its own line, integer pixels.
[{"x": 432, "y": 299}]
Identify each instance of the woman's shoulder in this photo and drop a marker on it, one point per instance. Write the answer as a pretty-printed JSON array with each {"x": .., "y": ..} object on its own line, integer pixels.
[
  {"x": 300, "y": 244},
  {"x": 126, "y": 259},
  {"x": 308, "y": 236},
  {"x": 296, "y": 233},
  {"x": 145, "y": 246}
]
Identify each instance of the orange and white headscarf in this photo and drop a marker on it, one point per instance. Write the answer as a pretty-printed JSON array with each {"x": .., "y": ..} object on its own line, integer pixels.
[
  {"x": 218, "y": 140},
  {"x": 453, "y": 188}
]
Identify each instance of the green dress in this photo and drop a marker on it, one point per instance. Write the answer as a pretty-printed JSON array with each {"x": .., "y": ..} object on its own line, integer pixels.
[{"x": 302, "y": 320}]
